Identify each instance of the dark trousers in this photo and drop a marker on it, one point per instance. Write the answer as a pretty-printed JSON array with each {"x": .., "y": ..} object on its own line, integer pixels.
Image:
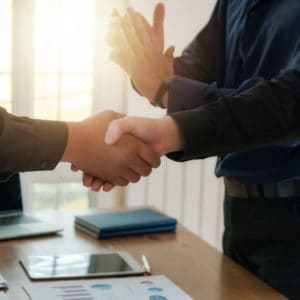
[{"x": 263, "y": 235}]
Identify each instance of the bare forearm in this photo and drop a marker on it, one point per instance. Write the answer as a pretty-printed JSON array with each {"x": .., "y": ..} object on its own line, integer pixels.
[
  {"x": 172, "y": 139},
  {"x": 72, "y": 141}
]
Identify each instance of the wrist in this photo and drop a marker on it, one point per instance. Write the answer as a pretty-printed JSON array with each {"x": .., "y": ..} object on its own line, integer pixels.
[
  {"x": 172, "y": 138},
  {"x": 165, "y": 100},
  {"x": 160, "y": 98},
  {"x": 71, "y": 142}
]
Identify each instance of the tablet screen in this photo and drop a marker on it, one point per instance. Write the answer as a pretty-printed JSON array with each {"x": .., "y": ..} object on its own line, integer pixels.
[{"x": 76, "y": 265}]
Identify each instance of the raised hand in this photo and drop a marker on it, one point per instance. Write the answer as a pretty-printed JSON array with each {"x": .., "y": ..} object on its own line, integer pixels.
[
  {"x": 125, "y": 161},
  {"x": 138, "y": 48}
]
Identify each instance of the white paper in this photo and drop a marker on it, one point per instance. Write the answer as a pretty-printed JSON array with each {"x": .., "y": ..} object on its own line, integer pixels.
[
  {"x": 3, "y": 296},
  {"x": 157, "y": 287}
]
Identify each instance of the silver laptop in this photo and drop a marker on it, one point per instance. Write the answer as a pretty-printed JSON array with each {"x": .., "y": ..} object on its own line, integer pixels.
[{"x": 13, "y": 222}]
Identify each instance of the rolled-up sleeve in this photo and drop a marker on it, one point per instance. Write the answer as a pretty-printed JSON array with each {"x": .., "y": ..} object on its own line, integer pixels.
[{"x": 28, "y": 144}]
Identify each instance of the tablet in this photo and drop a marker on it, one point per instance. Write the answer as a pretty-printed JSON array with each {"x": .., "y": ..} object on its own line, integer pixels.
[{"x": 81, "y": 265}]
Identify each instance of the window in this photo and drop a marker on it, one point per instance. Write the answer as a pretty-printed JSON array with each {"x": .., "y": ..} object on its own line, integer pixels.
[
  {"x": 59, "y": 77},
  {"x": 58, "y": 196},
  {"x": 5, "y": 53},
  {"x": 63, "y": 59},
  {"x": 62, "y": 89}
]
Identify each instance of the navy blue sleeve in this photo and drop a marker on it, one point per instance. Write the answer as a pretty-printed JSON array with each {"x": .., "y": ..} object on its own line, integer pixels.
[
  {"x": 267, "y": 113},
  {"x": 198, "y": 60},
  {"x": 186, "y": 93}
]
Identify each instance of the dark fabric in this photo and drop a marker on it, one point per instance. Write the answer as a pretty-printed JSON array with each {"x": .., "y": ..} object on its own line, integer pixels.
[
  {"x": 10, "y": 193},
  {"x": 251, "y": 49},
  {"x": 263, "y": 235},
  {"x": 255, "y": 117},
  {"x": 28, "y": 145},
  {"x": 240, "y": 98},
  {"x": 283, "y": 189}
]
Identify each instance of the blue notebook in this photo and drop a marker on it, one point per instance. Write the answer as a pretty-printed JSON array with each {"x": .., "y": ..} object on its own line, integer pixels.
[{"x": 122, "y": 223}]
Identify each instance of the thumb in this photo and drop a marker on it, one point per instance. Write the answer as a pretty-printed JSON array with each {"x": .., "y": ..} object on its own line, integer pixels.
[
  {"x": 170, "y": 52},
  {"x": 117, "y": 128},
  {"x": 113, "y": 133}
]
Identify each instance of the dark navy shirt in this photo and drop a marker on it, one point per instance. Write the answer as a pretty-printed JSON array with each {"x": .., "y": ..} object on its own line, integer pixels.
[{"x": 245, "y": 43}]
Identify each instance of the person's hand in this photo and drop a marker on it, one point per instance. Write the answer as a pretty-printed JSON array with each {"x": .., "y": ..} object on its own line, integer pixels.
[
  {"x": 93, "y": 183},
  {"x": 162, "y": 135},
  {"x": 124, "y": 162},
  {"x": 138, "y": 48}
]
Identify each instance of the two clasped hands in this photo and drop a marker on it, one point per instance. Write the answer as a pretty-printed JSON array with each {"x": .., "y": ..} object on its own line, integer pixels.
[
  {"x": 127, "y": 148},
  {"x": 101, "y": 147}
]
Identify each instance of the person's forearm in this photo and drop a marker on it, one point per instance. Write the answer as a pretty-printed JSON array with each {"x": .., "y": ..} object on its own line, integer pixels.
[
  {"x": 172, "y": 138},
  {"x": 187, "y": 94},
  {"x": 265, "y": 114},
  {"x": 27, "y": 144},
  {"x": 72, "y": 141}
]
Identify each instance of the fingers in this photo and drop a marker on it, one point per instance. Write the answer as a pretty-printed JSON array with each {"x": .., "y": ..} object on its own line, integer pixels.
[
  {"x": 74, "y": 168},
  {"x": 92, "y": 182},
  {"x": 120, "y": 181},
  {"x": 142, "y": 30},
  {"x": 131, "y": 37},
  {"x": 96, "y": 185},
  {"x": 148, "y": 159},
  {"x": 119, "y": 58},
  {"x": 158, "y": 23},
  {"x": 108, "y": 187},
  {"x": 149, "y": 156},
  {"x": 115, "y": 13},
  {"x": 131, "y": 175},
  {"x": 87, "y": 180},
  {"x": 158, "y": 17},
  {"x": 113, "y": 29},
  {"x": 142, "y": 167},
  {"x": 125, "y": 55}
]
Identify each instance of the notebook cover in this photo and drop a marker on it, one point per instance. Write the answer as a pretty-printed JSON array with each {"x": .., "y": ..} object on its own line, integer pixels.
[
  {"x": 126, "y": 232},
  {"x": 139, "y": 220}
]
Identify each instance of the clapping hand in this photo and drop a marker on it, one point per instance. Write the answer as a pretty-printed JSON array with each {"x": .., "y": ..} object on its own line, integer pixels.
[{"x": 138, "y": 48}]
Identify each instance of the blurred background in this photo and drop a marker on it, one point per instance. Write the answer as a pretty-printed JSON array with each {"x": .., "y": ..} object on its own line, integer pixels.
[{"x": 54, "y": 65}]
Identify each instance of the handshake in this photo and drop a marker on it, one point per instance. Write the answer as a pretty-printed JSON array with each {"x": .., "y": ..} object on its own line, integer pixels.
[{"x": 113, "y": 150}]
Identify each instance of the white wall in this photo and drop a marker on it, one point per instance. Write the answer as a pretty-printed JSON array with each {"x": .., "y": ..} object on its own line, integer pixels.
[{"x": 188, "y": 191}]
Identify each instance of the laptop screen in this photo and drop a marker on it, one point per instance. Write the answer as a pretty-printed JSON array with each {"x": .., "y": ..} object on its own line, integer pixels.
[{"x": 10, "y": 195}]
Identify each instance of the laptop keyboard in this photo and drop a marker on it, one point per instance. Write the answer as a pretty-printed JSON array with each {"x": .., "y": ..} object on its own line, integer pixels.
[{"x": 12, "y": 220}]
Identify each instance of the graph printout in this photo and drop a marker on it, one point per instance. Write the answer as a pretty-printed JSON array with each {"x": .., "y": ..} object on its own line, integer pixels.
[{"x": 157, "y": 287}]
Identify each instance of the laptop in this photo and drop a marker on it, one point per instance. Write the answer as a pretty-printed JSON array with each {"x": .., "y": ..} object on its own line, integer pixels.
[{"x": 13, "y": 222}]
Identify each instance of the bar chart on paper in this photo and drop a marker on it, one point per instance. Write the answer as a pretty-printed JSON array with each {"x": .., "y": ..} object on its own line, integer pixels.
[{"x": 157, "y": 287}]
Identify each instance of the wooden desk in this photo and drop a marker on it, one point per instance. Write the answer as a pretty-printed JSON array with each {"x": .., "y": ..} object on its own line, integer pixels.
[{"x": 202, "y": 271}]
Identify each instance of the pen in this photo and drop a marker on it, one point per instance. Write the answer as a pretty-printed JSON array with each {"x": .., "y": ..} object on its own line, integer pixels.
[
  {"x": 146, "y": 265},
  {"x": 3, "y": 283}
]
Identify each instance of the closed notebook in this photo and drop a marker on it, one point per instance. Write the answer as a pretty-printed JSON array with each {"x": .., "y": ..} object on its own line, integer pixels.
[{"x": 125, "y": 223}]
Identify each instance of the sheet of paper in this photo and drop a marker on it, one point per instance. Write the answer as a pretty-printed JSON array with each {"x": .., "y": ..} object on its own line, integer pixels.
[
  {"x": 157, "y": 287},
  {"x": 3, "y": 296}
]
